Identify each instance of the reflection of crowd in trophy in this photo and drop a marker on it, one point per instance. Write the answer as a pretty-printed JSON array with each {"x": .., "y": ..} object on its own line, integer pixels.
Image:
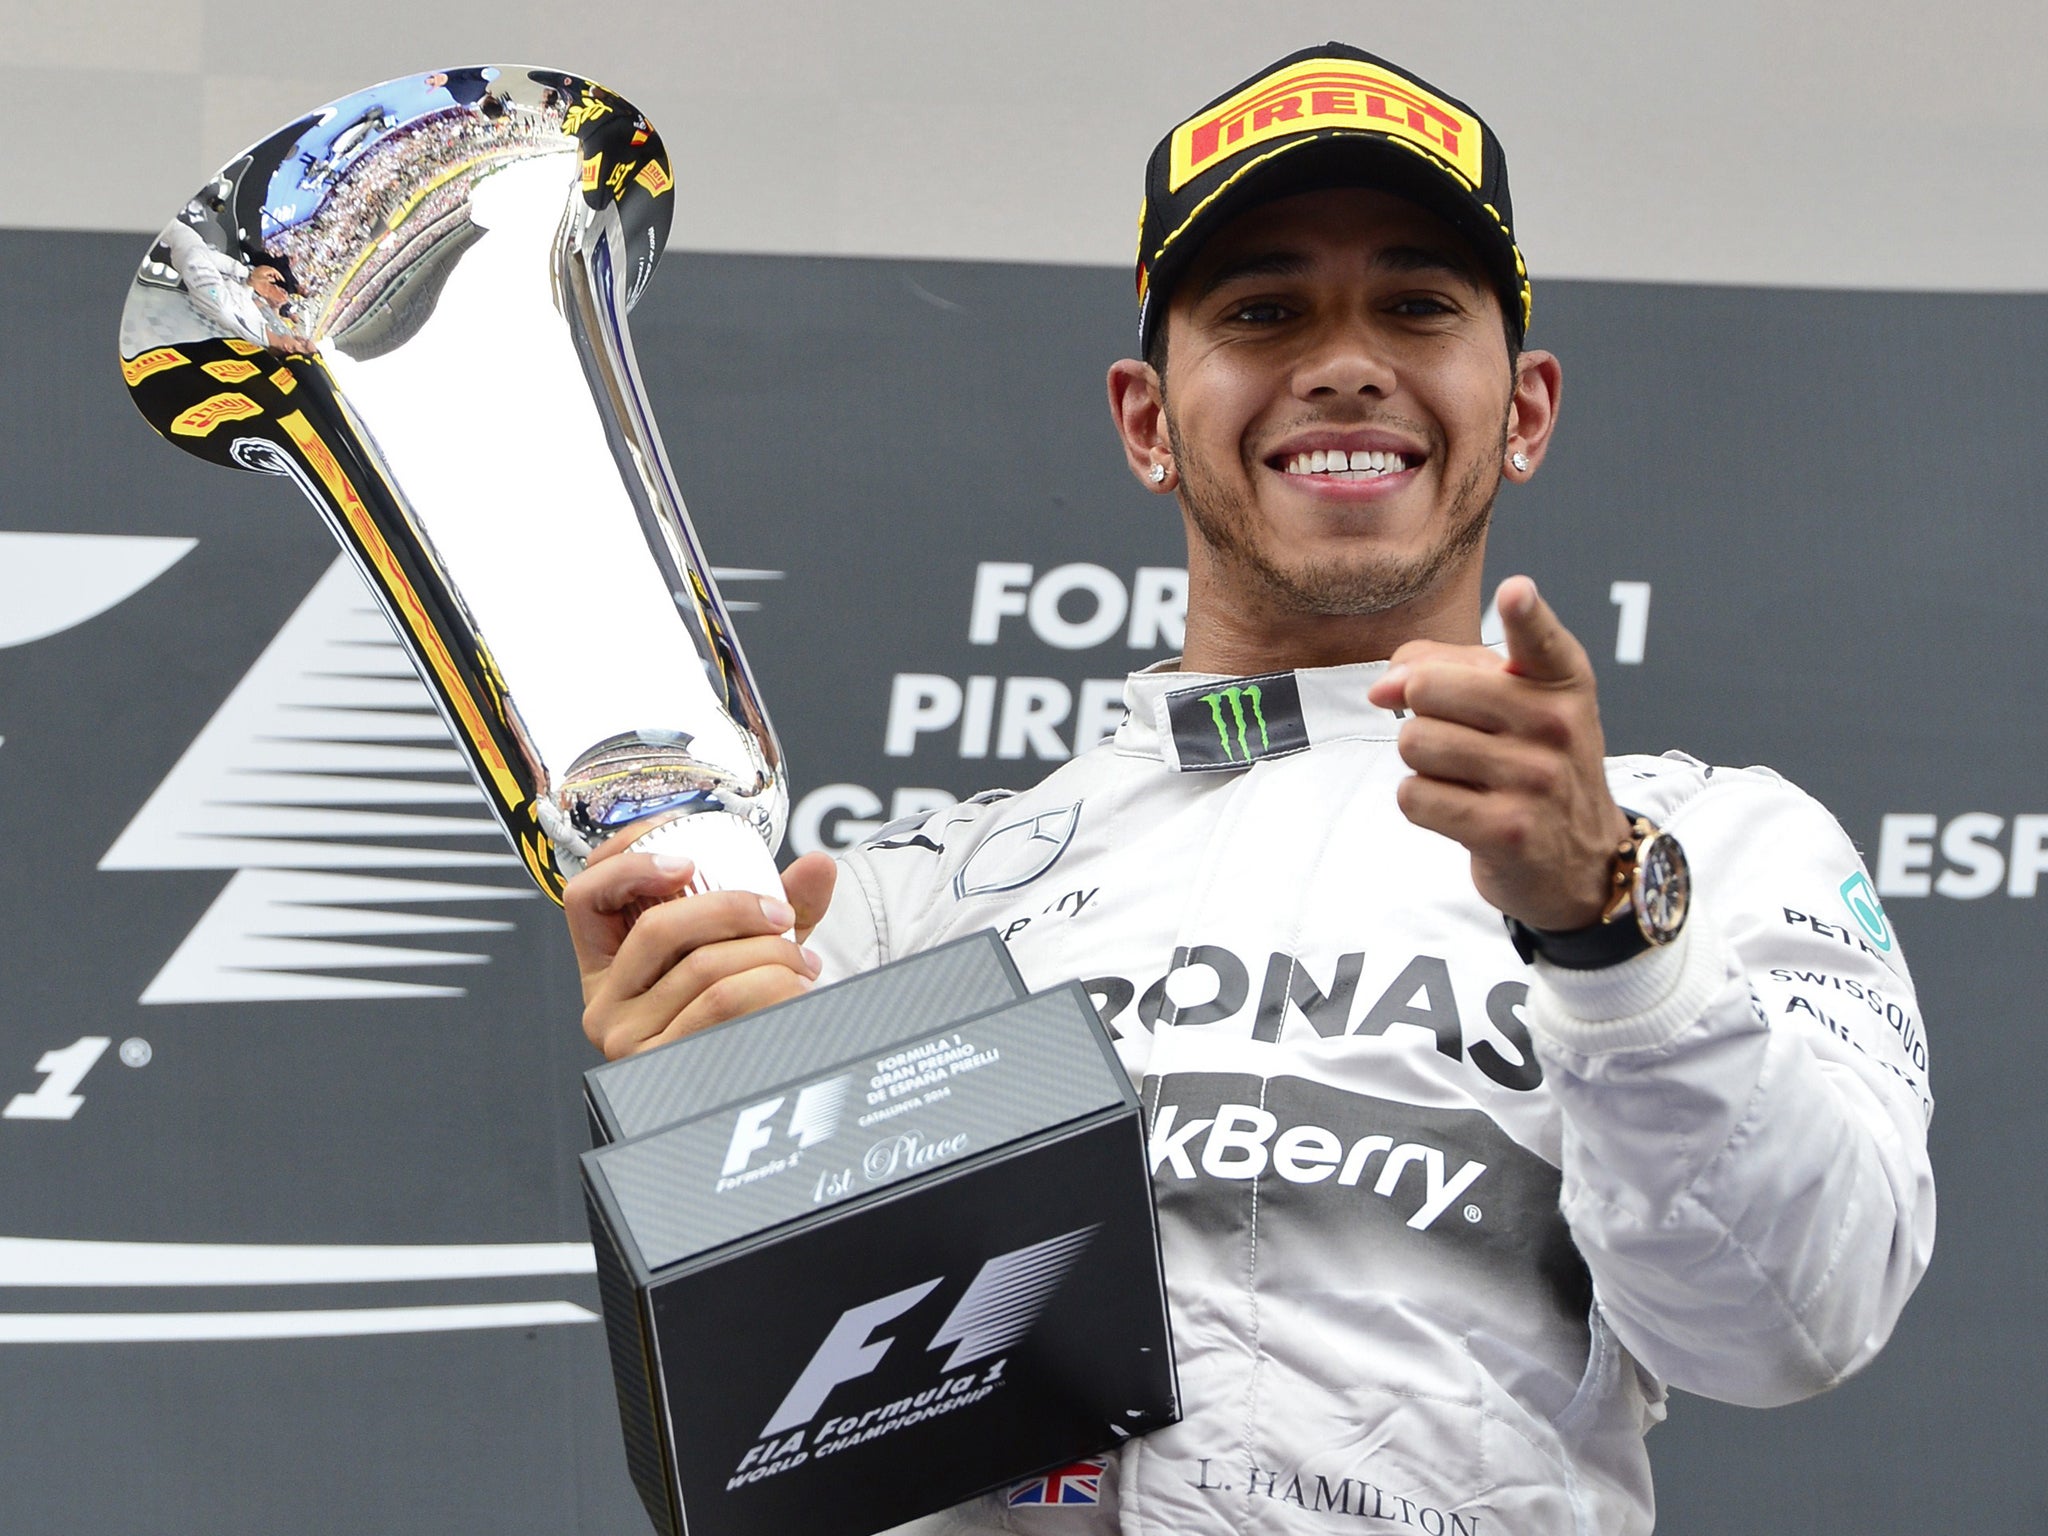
[{"x": 361, "y": 206}]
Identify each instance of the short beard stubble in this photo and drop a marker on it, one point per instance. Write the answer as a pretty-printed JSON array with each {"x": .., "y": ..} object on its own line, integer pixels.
[{"x": 1332, "y": 588}]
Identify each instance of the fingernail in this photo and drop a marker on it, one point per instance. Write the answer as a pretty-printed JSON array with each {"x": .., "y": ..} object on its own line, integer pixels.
[
  {"x": 1397, "y": 673},
  {"x": 673, "y": 864},
  {"x": 811, "y": 959},
  {"x": 780, "y": 913}
]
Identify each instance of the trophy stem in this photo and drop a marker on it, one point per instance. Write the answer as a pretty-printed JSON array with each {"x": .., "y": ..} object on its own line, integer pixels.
[{"x": 727, "y": 849}]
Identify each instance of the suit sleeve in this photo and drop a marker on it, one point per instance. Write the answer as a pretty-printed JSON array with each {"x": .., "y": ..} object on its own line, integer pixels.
[
  {"x": 216, "y": 284},
  {"x": 1744, "y": 1111},
  {"x": 853, "y": 936}
]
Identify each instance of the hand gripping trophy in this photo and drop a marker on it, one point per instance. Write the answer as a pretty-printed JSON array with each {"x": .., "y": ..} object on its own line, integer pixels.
[{"x": 412, "y": 302}]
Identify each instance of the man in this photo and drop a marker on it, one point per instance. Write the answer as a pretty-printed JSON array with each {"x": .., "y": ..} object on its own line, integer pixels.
[
  {"x": 1445, "y": 1204},
  {"x": 249, "y": 301}
]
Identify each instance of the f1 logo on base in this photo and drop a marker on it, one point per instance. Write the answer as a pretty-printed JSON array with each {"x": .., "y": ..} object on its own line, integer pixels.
[
  {"x": 814, "y": 1119},
  {"x": 847, "y": 1354},
  {"x": 995, "y": 1312}
]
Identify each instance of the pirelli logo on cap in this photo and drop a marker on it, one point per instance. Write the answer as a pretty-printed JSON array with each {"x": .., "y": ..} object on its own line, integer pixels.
[
  {"x": 1326, "y": 93},
  {"x": 231, "y": 370},
  {"x": 654, "y": 178},
  {"x": 208, "y": 414}
]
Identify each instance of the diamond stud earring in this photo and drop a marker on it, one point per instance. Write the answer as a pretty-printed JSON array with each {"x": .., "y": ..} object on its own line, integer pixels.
[
  {"x": 1520, "y": 461},
  {"x": 1158, "y": 474}
]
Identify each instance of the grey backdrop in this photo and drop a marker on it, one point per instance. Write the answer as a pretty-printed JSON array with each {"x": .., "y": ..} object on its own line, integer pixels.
[{"x": 1832, "y": 497}]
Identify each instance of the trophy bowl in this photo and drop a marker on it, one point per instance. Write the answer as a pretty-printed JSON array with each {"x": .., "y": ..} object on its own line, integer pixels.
[{"x": 412, "y": 303}]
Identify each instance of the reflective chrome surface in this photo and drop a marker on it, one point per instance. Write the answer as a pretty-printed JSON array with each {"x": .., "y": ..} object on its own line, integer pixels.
[{"x": 412, "y": 303}]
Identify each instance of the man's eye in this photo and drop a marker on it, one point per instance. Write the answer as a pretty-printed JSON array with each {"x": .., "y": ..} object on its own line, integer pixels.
[
  {"x": 1421, "y": 304},
  {"x": 1261, "y": 312}
]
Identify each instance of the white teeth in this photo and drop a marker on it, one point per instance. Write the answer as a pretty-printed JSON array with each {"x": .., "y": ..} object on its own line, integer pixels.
[{"x": 1359, "y": 461}]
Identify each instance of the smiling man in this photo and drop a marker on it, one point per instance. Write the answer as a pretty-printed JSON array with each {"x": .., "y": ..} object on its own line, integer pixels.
[{"x": 1494, "y": 1085}]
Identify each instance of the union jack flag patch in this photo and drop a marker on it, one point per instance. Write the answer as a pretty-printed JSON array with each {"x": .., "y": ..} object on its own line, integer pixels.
[{"x": 1078, "y": 1482}]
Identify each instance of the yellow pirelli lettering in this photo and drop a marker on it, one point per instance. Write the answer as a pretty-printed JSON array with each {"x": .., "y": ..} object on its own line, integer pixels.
[
  {"x": 591, "y": 168},
  {"x": 1327, "y": 93},
  {"x": 655, "y": 178},
  {"x": 285, "y": 381},
  {"x": 538, "y": 854},
  {"x": 331, "y": 474},
  {"x": 135, "y": 369},
  {"x": 230, "y": 370},
  {"x": 243, "y": 348},
  {"x": 202, "y": 418}
]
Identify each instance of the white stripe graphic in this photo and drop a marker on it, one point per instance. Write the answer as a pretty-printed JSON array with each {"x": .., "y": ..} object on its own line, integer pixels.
[
  {"x": 347, "y": 1322},
  {"x": 321, "y": 757},
  {"x": 269, "y": 928},
  {"x": 727, "y": 575},
  {"x": 326, "y": 764},
  {"x": 47, "y": 1261}
]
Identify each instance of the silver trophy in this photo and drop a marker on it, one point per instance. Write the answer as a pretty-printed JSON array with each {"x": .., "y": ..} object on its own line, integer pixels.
[{"x": 412, "y": 303}]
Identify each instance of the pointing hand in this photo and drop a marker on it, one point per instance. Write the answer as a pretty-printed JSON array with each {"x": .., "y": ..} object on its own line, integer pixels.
[{"x": 1509, "y": 760}]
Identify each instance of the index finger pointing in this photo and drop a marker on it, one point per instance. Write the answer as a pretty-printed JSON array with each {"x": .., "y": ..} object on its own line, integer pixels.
[{"x": 1539, "y": 646}]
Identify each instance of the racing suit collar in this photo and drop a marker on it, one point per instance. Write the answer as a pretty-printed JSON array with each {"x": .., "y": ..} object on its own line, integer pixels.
[{"x": 1196, "y": 722}]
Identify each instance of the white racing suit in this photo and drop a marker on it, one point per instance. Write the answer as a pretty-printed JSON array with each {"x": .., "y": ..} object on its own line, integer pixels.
[
  {"x": 218, "y": 285},
  {"x": 1439, "y": 1227}
]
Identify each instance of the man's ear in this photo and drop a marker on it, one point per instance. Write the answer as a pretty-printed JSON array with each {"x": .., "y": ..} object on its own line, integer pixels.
[
  {"x": 1137, "y": 404},
  {"x": 1532, "y": 410}
]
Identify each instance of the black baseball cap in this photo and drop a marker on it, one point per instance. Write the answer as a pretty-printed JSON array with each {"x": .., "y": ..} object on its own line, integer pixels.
[{"x": 1323, "y": 117}]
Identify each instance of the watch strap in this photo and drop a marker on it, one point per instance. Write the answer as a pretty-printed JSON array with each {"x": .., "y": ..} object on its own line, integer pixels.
[
  {"x": 1580, "y": 949},
  {"x": 1618, "y": 936}
]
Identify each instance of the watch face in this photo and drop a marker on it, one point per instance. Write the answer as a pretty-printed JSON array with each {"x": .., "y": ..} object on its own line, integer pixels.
[{"x": 1663, "y": 888}]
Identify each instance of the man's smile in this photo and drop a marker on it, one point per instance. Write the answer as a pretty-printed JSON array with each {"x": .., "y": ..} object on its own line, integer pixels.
[{"x": 1355, "y": 464}]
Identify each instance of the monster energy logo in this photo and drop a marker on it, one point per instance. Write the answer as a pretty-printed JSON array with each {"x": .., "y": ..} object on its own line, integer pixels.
[
  {"x": 1231, "y": 725},
  {"x": 1236, "y": 697}
]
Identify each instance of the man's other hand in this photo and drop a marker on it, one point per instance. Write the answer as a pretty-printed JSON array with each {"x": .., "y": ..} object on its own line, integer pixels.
[
  {"x": 1509, "y": 760},
  {"x": 657, "y": 965}
]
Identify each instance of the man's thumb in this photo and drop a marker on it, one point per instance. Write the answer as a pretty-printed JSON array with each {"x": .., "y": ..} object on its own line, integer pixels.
[{"x": 1539, "y": 646}]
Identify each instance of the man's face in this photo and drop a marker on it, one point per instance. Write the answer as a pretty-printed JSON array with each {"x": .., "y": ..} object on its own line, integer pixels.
[
  {"x": 1337, "y": 395},
  {"x": 268, "y": 286}
]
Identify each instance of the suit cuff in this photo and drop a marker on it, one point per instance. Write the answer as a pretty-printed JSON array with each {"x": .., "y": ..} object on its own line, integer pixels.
[{"x": 1641, "y": 1004}]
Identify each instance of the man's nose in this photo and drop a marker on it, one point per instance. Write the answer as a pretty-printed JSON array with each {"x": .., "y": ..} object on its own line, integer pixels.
[{"x": 1347, "y": 359}]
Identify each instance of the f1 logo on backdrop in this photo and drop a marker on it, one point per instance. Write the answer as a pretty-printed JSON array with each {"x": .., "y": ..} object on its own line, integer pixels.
[{"x": 1965, "y": 857}]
